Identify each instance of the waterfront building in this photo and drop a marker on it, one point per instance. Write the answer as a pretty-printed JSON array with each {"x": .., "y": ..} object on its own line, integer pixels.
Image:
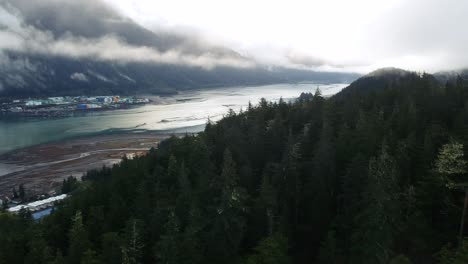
[
  {"x": 34, "y": 103},
  {"x": 38, "y": 205}
]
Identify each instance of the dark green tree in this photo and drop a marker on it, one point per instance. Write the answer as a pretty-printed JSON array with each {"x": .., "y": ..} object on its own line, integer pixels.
[
  {"x": 132, "y": 248},
  {"x": 380, "y": 216},
  {"x": 328, "y": 250},
  {"x": 22, "y": 192},
  {"x": 111, "y": 248},
  {"x": 90, "y": 257},
  {"x": 78, "y": 237},
  {"x": 271, "y": 250},
  {"x": 228, "y": 222},
  {"x": 167, "y": 250},
  {"x": 450, "y": 163}
]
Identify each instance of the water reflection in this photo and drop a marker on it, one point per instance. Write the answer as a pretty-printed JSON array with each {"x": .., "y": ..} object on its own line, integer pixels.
[{"x": 188, "y": 109}]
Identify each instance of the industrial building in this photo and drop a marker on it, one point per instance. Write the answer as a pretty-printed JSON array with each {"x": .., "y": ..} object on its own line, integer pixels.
[{"x": 38, "y": 205}]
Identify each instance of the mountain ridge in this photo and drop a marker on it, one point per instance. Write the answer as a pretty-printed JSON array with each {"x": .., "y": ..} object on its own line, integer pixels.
[
  {"x": 102, "y": 52},
  {"x": 312, "y": 181}
]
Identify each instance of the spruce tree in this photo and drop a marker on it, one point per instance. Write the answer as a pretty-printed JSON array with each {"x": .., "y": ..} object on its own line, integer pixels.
[
  {"x": 450, "y": 163},
  {"x": 167, "y": 250},
  {"x": 78, "y": 237},
  {"x": 132, "y": 248},
  {"x": 379, "y": 219}
]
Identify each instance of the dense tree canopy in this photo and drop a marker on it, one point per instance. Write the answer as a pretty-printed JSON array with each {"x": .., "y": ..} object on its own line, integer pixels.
[{"x": 349, "y": 179}]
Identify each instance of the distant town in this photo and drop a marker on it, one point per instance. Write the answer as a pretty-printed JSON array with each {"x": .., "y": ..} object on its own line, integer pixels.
[{"x": 67, "y": 105}]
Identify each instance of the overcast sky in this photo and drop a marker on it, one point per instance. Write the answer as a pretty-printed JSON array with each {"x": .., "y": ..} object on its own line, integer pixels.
[
  {"x": 358, "y": 35},
  {"x": 331, "y": 35}
]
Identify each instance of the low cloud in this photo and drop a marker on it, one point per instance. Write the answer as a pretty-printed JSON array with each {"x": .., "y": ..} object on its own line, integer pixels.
[
  {"x": 78, "y": 76},
  {"x": 361, "y": 35},
  {"x": 18, "y": 36},
  {"x": 101, "y": 77},
  {"x": 305, "y": 60}
]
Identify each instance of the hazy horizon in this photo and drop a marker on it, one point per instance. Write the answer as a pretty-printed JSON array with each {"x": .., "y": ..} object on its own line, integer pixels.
[{"x": 359, "y": 36}]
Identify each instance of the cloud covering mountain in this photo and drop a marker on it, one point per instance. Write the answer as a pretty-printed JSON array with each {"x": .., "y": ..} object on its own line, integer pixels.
[
  {"x": 73, "y": 47},
  {"x": 358, "y": 35},
  {"x": 91, "y": 30}
]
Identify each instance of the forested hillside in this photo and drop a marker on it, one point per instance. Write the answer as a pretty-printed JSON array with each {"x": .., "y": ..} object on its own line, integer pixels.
[{"x": 349, "y": 179}]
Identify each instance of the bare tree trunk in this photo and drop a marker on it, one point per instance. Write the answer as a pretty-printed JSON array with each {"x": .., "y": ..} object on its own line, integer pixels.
[{"x": 462, "y": 222}]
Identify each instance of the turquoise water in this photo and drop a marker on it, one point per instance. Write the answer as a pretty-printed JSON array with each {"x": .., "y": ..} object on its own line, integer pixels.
[{"x": 188, "y": 109}]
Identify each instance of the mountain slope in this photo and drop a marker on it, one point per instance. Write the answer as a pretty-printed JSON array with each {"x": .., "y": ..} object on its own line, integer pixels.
[
  {"x": 50, "y": 49},
  {"x": 451, "y": 76},
  {"x": 42, "y": 76},
  {"x": 377, "y": 80},
  {"x": 349, "y": 179}
]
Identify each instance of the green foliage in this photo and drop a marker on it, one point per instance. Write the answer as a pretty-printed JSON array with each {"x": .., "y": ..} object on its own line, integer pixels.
[
  {"x": 111, "y": 248},
  {"x": 78, "y": 236},
  {"x": 400, "y": 259},
  {"x": 328, "y": 250},
  {"x": 378, "y": 222},
  {"x": 271, "y": 250},
  {"x": 348, "y": 179},
  {"x": 132, "y": 243},
  {"x": 168, "y": 248},
  {"x": 90, "y": 257},
  {"x": 69, "y": 184},
  {"x": 450, "y": 159},
  {"x": 448, "y": 255},
  {"x": 450, "y": 162}
]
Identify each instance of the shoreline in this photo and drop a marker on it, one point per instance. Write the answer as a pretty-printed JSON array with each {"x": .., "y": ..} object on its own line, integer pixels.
[
  {"x": 41, "y": 168},
  {"x": 112, "y": 131}
]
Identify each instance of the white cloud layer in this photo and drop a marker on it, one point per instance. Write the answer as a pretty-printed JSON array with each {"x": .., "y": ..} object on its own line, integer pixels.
[
  {"x": 17, "y": 36},
  {"x": 359, "y": 35},
  {"x": 330, "y": 35},
  {"x": 78, "y": 76}
]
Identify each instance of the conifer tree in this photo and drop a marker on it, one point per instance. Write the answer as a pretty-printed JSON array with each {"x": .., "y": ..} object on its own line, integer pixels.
[
  {"x": 231, "y": 193},
  {"x": 328, "y": 251},
  {"x": 90, "y": 257},
  {"x": 168, "y": 246},
  {"x": 271, "y": 250},
  {"x": 268, "y": 196},
  {"x": 183, "y": 181},
  {"x": 132, "y": 243},
  {"x": 450, "y": 163},
  {"x": 228, "y": 223},
  {"x": 379, "y": 218},
  {"x": 22, "y": 192},
  {"x": 111, "y": 248},
  {"x": 79, "y": 242}
]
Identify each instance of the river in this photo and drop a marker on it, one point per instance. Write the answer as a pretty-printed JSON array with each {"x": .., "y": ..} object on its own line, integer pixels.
[{"x": 184, "y": 110}]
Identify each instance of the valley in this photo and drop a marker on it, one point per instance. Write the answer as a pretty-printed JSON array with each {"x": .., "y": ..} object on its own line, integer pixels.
[
  {"x": 42, "y": 168},
  {"x": 40, "y": 153}
]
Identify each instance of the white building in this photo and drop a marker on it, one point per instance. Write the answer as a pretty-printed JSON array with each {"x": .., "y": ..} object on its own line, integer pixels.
[
  {"x": 33, "y": 103},
  {"x": 38, "y": 205},
  {"x": 56, "y": 99}
]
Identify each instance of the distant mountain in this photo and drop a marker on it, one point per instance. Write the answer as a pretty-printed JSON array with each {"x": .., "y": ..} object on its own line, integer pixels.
[
  {"x": 450, "y": 76},
  {"x": 85, "y": 47},
  {"x": 349, "y": 179},
  {"x": 380, "y": 79},
  {"x": 39, "y": 75}
]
